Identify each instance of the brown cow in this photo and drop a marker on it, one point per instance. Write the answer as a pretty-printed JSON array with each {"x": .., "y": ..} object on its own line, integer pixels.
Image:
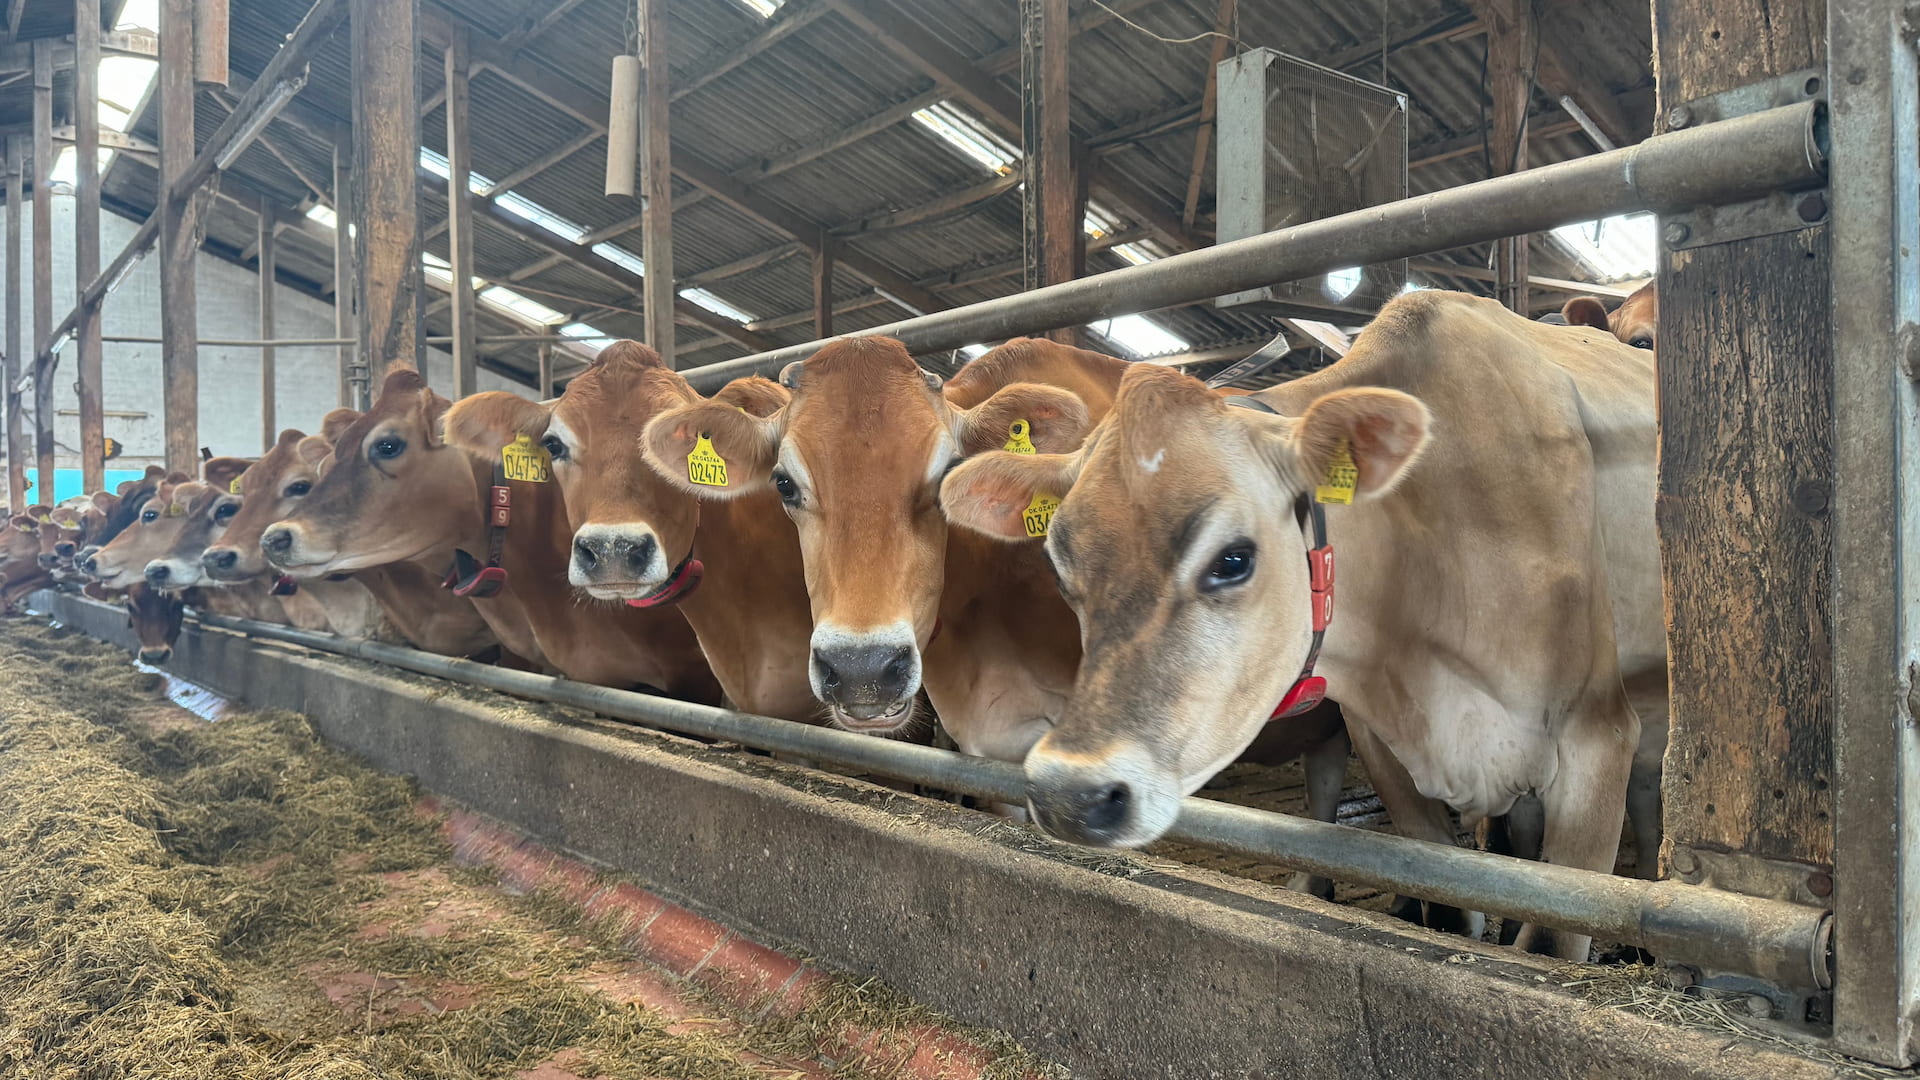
[
  {"x": 1499, "y": 597},
  {"x": 638, "y": 538},
  {"x": 155, "y": 618},
  {"x": 396, "y": 492},
  {"x": 20, "y": 569},
  {"x": 1636, "y": 321}
]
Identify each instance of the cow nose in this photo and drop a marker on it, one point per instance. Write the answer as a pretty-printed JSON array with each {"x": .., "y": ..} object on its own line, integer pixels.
[
  {"x": 865, "y": 681},
  {"x": 585, "y": 556},
  {"x": 613, "y": 555},
  {"x": 217, "y": 560},
  {"x": 63, "y": 549},
  {"x": 277, "y": 541},
  {"x": 158, "y": 575},
  {"x": 156, "y": 656},
  {"x": 90, "y": 561}
]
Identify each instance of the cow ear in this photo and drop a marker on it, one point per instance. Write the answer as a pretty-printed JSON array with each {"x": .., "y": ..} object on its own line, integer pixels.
[
  {"x": 1586, "y": 311},
  {"x": 155, "y": 472},
  {"x": 754, "y": 395},
  {"x": 104, "y": 502},
  {"x": 313, "y": 449},
  {"x": 712, "y": 450},
  {"x": 1048, "y": 420},
  {"x": 1383, "y": 430},
  {"x": 290, "y": 438},
  {"x": 177, "y": 478},
  {"x": 992, "y": 493},
  {"x": 483, "y": 423},
  {"x": 221, "y": 472},
  {"x": 336, "y": 423}
]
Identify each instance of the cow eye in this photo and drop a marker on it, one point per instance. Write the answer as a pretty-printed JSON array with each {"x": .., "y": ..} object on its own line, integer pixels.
[
  {"x": 789, "y": 491},
  {"x": 1231, "y": 567},
  {"x": 389, "y": 447},
  {"x": 555, "y": 449},
  {"x": 149, "y": 515},
  {"x": 1642, "y": 342},
  {"x": 297, "y": 489},
  {"x": 225, "y": 511}
]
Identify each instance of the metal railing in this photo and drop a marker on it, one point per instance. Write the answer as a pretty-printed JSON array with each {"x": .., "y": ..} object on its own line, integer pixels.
[{"x": 1782, "y": 943}]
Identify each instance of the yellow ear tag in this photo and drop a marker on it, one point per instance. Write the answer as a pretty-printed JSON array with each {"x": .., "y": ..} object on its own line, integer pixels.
[
  {"x": 233, "y": 486},
  {"x": 705, "y": 466},
  {"x": 1039, "y": 515},
  {"x": 521, "y": 460},
  {"x": 174, "y": 510},
  {"x": 1019, "y": 442},
  {"x": 1341, "y": 478},
  {"x": 27, "y": 528}
]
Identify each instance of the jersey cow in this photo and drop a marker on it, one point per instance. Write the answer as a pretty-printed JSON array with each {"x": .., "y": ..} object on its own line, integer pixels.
[
  {"x": 730, "y": 566},
  {"x": 1636, "y": 321},
  {"x": 396, "y": 492},
  {"x": 1497, "y": 585}
]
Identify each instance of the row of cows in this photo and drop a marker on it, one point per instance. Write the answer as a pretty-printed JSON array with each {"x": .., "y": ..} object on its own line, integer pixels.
[{"x": 1107, "y": 571}]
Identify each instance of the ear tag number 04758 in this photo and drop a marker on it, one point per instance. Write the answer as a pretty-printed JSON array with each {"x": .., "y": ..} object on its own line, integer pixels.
[
  {"x": 1019, "y": 438},
  {"x": 705, "y": 466},
  {"x": 521, "y": 460},
  {"x": 1038, "y": 516},
  {"x": 1341, "y": 478}
]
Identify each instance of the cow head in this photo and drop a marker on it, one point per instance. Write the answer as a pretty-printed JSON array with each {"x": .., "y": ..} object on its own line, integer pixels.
[
  {"x": 856, "y": 456},
  {"x": 394, "y": 491},
  {"x": 210, "y": 506},
  {"x": 123, "y": 560},
  {"x": 270, "y": 489},
  {"x": 155, "y": 618},
  {"x": 116, "y": 512},
  {"x": 631, "y": 527},
  {"x": 1176, "y": 542},
  {"x": 1636, "y": 321}
]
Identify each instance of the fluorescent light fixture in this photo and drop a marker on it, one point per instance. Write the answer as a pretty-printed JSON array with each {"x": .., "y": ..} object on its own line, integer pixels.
[
  {"x": 522, "y": 207},
  {"x": 1134, "y": 254},
  {"x": 621, "y": 257},
  {"x": 438, "y": 165},
  {"x": 1618, "y": 248},
  {"x": 524, "y": 308},
  {"x": 277, "y": 98},
  {"x": 961, "y": 130},
  {"x": 763, "y": 8},
  {"x": 1341, "y": 283},
  {"x": 1140, "y": 336},
  {"x": 125, "y": 272},
  {"x": 716, "y": 305}
]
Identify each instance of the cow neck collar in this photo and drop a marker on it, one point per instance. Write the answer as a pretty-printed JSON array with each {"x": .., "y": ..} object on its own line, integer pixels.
[
  {"x": 1308, "y": 690},
  {"x": 679, "y": 585}
]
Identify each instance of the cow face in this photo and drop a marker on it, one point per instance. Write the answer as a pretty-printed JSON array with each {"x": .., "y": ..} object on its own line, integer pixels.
[
  {"x": 856, "y": 457},
  {"x": 270, "y": 489},
  {"x": 1177, "y": 544},
  {"x": 394, "y": 491},
  {"x": 155, "y": 618},
  {"x": 209, "y": 509},
  {"x": 123, "y": 561},
  {"x": 1636, "y": 321}
]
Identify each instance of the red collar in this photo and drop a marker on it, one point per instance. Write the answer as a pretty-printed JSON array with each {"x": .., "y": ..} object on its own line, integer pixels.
[
  {"x": 678, "y": 586},
  {"x": 1309, "y": 689}
]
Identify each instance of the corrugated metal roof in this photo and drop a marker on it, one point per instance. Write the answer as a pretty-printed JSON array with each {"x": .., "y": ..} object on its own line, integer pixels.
[{"x": 829, "y": 76}]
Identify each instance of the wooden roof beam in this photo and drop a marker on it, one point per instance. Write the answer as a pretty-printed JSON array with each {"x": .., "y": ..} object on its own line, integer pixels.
[
  {"x": 1564, "y": 69},
  {"x": 788, "y": 21}
]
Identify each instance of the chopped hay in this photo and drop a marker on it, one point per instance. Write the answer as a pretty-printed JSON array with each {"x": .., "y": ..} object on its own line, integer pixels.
[{"x": 202, "y": 900}]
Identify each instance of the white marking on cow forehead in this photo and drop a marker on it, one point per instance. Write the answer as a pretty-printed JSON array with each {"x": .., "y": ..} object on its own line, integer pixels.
[{"x": 1152, "y": 464}]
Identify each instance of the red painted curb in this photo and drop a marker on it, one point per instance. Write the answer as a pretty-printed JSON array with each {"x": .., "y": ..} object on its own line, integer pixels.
[{"x": 758, "y": 980}]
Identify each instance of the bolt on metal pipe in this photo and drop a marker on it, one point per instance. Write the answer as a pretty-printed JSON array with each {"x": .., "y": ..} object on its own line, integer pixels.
[
  {"x": 1779, "y": 942},
  {"x": 1729, "y": 161}
]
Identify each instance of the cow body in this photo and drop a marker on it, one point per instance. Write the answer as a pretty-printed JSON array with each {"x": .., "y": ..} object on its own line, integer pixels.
[{"x": 1496, "y": 595}]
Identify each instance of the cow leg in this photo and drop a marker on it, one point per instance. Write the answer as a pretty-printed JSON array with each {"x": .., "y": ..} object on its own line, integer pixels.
[
  {"x": 1519, "y": 832},
  {"x": 1326, "y": 769},
  {"x": 1585, "y": 806},
  {"x": 1416, "y": 816},
  {"x": 1643, "y": 793}
]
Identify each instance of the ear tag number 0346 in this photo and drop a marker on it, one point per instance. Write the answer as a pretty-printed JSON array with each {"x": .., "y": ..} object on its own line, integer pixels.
[
  {"x": 705, "y": 466},
  {"x": 1341, "y": 478},
  {"x": 1019, "y": 438},
  {"x": 1038, "y": 516},
  {"x": 521, "y": 460}
]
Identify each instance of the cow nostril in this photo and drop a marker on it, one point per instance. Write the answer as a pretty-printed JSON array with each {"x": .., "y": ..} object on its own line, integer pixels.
[
  {"x": 639, "y": 556},
  {"x": 583, "y": 554},
  {"x": 899, "y": 665},
  {"x": 277, "y": 541},
  {"x": 63, "y": 550},
  {"x": 158, "y": 573},
  {"x": 1109, "y": 807},
  {"x": 222, "y": 560},
  {"x": 829, "y": 678}
]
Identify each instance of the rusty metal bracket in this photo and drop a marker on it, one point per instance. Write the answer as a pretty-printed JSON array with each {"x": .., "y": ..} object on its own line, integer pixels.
[{"x": 1776, "y": 212}]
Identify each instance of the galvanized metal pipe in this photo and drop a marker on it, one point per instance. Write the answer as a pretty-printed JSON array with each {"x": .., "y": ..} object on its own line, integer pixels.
[
  {"x": 1714, "y": 164},
  {"x": 1779, "y": 942}
]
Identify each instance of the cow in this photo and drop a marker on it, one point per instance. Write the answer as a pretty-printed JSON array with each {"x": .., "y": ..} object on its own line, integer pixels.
[
  {"x": 730, "y": 566},
  {"x": 856, "y": 456},
  {"x": 1498, "y": 584},
  {"x": 396, "y": 492},
  {"x": 1636, "y": 321},
  {"x": 20, "y": 558}
]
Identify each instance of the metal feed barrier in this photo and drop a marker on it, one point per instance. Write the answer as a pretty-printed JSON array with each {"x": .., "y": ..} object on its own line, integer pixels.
[{"x": 1780, "y": 943}]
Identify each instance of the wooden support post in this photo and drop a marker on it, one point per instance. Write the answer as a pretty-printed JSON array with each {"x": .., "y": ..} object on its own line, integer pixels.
[
  {"x": 1513, "y": 37},
  {"x": 546, "y": 371},
  {"x": 656, "y": 232},
  {"x": 1875, "y": 198},
  {"x": 1746, "y": 479},
  {"x": 16, "y": 334},
  {"x": 1047, "y": 208},
  {"x": 386, "y": 157},
  {"x": 823, "y": 288},
  {"x": 345, "y": 296},
  {"x": 86, "y": 240},
  {"x": 460, "y": 216},
  {"x": 179, "y": 322},
  {"x": 43, "y": 271},
  {"x": 1209, "y": 106},
  {"x": 269, "y": 426}
]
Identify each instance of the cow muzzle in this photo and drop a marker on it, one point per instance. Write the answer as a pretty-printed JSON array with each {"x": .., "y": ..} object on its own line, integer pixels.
[
  {"x": 1116, "y": 797},
  {"x": 157, "y": 655},
  {"x": 221, "y": 563},
  {"x": 616, "y": 562},
  {"x": 867, "y": 679},
  {"x": 172, "y": 574}
]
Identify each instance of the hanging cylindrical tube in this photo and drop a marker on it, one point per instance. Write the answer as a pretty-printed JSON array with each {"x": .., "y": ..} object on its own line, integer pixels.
[
  {"x": 623, "y": 125},
  {"x": 210, "y": 42}
]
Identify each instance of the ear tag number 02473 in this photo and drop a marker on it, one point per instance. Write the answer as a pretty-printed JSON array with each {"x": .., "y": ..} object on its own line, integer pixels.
[
  {"x": 1019, "y": 438},
  {"x": 705, "y": 466},
  {"x": 521, "y": 460},
  {"x": 1341, "y": 478},
  {"x": 1038, "y": 516}
]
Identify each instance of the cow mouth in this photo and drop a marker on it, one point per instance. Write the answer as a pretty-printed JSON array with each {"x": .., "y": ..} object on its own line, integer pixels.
[
  {"x": 619, "y": 590},
  {"x": 886, "y": 723}
]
